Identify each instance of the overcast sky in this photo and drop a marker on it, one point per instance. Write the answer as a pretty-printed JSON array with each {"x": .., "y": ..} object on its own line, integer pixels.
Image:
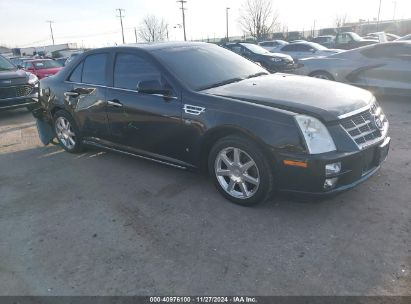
[{"x": 93, "y": 23}]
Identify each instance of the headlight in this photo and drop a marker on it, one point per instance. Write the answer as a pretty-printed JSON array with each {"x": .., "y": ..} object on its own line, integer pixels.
[
  {"x": 316, "y": 135},
  {"x": 276, "y": 59},
  {"x": 32, "y": 79}
]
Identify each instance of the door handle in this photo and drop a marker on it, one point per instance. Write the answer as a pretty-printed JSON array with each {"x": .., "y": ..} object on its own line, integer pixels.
[
  {"x": 114, "y": 103},
  {"x": 71, "y": 94}
]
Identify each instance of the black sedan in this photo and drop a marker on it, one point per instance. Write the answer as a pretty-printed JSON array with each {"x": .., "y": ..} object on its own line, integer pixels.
[
  {"x": 273, "y": 62},
  {"x": 198, "y": 106}
]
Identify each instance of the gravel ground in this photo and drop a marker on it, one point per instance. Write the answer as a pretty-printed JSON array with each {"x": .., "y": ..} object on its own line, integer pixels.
[{"x": 100, "y": 223}]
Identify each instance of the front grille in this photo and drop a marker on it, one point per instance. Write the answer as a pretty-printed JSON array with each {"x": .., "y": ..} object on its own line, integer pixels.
[
  {"x": 362, "y": 127},
  {"x": 17, "y": 91}
]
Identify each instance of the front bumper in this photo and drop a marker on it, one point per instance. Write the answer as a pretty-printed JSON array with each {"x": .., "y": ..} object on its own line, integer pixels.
[
  {"x": 356, "y": 167},
  {"x": 19, "y": 102}
]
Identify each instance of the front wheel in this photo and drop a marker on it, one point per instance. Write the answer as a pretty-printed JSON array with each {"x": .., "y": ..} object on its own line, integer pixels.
[
  {"x": 322, "y": 75},
  {"x": 241, "y": 171},
  {"x": 67, "y": 132}
]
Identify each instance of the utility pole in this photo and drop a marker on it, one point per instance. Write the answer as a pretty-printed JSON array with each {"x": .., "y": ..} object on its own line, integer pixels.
[
  {"x": 226, "y": 18},
  {"x": 395, "y": 9},
  {"x": 378, "y": 19},
  {"x": 184, "y": 17},
  {"x": 120, "y": 12},
  {"x": 51, "y": 29},
  {"x": 135, "y": 33}
]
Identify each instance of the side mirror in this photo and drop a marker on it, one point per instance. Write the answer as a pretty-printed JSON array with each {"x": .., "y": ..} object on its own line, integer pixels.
[
  {"x": 153, "y": 87},
  {"x": 312, "y": 51},
  {"x": 20, "y": 67}
]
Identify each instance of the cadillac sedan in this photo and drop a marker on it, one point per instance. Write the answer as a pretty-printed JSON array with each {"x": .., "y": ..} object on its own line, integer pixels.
[{"x": 198, "y": 106}]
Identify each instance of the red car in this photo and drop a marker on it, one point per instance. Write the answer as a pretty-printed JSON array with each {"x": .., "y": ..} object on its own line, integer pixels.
[{"x": 42, "y": 67}]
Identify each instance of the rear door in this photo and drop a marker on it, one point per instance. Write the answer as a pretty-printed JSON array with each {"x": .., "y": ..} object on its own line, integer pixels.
[
  {"x": 86, "y": 95},
  {"x": 143, "y": 122}
]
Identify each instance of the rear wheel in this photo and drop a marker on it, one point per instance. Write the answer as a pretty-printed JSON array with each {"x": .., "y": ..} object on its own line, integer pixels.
[
  {"x": 240, "y": 170},
  {"x": 322, "y": 75},
  {"x": 67, "y": 132}
]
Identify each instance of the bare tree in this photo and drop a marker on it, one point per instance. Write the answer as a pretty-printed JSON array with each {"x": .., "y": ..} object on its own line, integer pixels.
[
  {"x": 340, "y": 20},
  {"x": 153, "y": 29},
  {"x": 258, "y": 18}
]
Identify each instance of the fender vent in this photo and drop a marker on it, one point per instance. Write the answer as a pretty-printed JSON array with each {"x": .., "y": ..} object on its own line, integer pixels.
[{"x": 193, "y": 110}]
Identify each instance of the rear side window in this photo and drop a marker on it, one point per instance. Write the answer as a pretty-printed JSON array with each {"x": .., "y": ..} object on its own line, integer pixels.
[
  {"x": 76, "y": 74},
  {"x": 94, "y": 69},
  {"x": 130, "y": 69}
]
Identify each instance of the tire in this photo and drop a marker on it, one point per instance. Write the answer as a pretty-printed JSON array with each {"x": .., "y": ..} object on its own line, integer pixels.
[
  {"x": 246, "y": 182},
  {"x": 67, "y": 132},
  {"x": 322, "y": 75}
]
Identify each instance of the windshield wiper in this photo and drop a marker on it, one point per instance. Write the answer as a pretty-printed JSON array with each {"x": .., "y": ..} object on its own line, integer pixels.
[
  {"x": 257, "y": 74},
  {"x": 221, "y": 83}
]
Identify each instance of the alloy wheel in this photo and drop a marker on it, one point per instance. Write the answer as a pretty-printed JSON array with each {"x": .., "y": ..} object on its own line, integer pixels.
[
  {"x": 64, "y": 132},
  {"x": 237, "y": 173}
]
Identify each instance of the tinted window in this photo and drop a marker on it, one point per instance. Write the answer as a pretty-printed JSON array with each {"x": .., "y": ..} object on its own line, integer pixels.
[
  {"x": 76, "y": 74},
  {"x": 94, "y": 69},
  {"x": 130, "y": 69},
  {"x": 46, "y": 64},
  {"x": 205, "y": 65}
]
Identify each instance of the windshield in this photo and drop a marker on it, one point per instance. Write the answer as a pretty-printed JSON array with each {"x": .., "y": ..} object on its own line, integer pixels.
[
  {"x": 46, "y": 64},
  {"x": 206, "y": 65},
  {"x": 255, "y": 48},
  {"x": 6, "y": 65}
]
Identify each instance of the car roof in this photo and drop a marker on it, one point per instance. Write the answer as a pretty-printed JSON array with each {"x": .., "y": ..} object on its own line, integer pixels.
[{"x": 158, "y": 45}]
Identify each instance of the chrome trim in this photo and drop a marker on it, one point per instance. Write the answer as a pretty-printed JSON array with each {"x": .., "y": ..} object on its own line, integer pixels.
[
  {"x": 17, "y": 105},
  {"x": 193, "y": 110},
  {"x": 114, "y": 104},
  {"x": 354, "y": 112},
  {"x": 120, "y": 89},
  {"x": 132, "y": 154}
]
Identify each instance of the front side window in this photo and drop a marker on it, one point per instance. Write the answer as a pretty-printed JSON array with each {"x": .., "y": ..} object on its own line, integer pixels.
[
  {"x": 130, "y": 69},
  {"x": 94, "y": 69}
]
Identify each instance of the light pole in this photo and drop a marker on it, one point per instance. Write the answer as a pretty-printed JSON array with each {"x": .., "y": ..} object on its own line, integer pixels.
[
  {"x": 378, "y": 19},
  {"x": 51, "y": 30},
  {"x": 226, "y": 16}
]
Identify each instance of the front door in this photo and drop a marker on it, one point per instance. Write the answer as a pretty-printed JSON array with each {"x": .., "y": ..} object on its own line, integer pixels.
[{"x": 144, "y": 123}]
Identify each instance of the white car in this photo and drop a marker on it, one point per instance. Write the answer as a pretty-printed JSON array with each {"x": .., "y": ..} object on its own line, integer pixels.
[
  {"x": 306, "y": 50},
  {"x": 273, "y": 45}
]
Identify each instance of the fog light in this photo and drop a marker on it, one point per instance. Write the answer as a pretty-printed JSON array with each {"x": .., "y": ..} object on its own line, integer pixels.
[
  {"x": 330, "y": 183},
  {"x": 332, "y": 169}
]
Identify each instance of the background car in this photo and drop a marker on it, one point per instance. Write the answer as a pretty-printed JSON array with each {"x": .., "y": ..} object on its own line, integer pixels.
[
  {"x": 273, "y": 45},
  {"x": 385, "y": 68},
  {"x": 273, "y": 62},
  {"x": 405, "y": 38},
  {"x": 306, "y": 49},
  {"x": 351, "y": 40},
  {"x": 17, "y": 87},
  {"x": 325, "y": 40},
  {"x": 381, "y": 36},
  {"x": 42, "y": 67}
]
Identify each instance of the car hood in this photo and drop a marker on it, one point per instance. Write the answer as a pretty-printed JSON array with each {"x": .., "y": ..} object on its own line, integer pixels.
[
  {"x": 323, "y": 99},
  {"x": 13, "y": 77},
  {"x": 49, "y": 71}
]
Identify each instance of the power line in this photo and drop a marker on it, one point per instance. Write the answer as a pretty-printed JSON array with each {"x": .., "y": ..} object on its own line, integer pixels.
[
  {"x": 184, "y": 17},
  {"x": 120, "y": 12},
  {"x": 51, "y": 29}
]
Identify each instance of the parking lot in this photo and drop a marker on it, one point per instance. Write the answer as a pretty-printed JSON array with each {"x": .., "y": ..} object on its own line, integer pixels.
[{"x": 101, "y": 223}]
